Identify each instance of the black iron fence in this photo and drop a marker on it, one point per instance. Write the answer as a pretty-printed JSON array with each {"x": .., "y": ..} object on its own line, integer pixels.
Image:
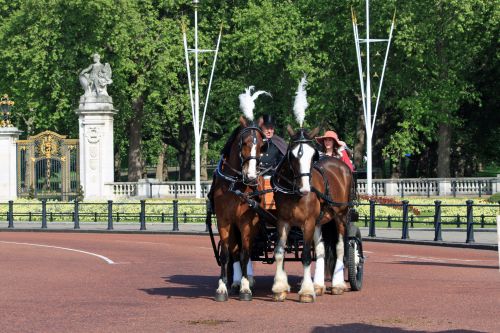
[
  {"x": 435, "y": 216},
  {"x": 432, "y": 217}
]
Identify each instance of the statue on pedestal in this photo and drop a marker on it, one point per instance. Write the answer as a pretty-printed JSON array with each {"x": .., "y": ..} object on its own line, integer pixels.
[{"x": 95, "y": 78}]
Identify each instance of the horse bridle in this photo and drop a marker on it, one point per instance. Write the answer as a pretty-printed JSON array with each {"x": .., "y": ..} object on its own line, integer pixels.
[
  {"x": 254, "y": 141},
  {"x": 239, "y": 174},
  {"x": 301, "y": 141}
]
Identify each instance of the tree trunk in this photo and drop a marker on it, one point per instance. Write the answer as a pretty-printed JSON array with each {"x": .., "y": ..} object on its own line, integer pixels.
[
  {"x": 135, "y": 164},
  {"x": 184, "y": 154},
  {"x": 204, "y": 155},
  {"x": 444, "y": 151},
  {"x": 359, "y": 147},
  {"x": 117, "y": 163},
  {"x": 161, "y": 166}
]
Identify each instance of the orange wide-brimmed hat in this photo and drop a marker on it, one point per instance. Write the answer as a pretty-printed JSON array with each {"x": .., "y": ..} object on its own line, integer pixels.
[{"x": 328, "y": 134}]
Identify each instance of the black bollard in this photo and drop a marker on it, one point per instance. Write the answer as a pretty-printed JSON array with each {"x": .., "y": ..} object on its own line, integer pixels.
[
  {"x": 110, "y": 214},
  {"x": 470, "y": 222},
  {"x": 11, "y": 214},
  {"x": 437, "y": 221},
  {"x": 371, "y": 232},
  {"x": 44, "y": 213},
  {"x": 175, "y": 226},
  {"x": 405, "y": 234},
  {"x": 77, "y": 214},
  {"x": 143, "y": 215}
]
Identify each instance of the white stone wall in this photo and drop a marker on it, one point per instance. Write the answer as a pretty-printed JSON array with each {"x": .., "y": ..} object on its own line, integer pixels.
[
  {"x": 8, "y": 164},
  {"x": 96, "y": 147}
]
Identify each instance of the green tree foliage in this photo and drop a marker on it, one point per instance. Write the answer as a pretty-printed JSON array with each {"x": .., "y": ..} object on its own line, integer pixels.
[{"x": 440, "y": 76}]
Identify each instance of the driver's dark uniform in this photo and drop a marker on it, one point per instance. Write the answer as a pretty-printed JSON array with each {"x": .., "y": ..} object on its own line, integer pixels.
[{"x": 272, "y": 154}]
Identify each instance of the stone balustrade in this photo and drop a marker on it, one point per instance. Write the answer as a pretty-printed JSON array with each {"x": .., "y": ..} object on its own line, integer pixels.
[{"x": 151, "y": 188}]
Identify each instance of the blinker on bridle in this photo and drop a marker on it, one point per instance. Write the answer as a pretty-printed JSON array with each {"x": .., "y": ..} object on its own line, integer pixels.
[
  {"x": 253, "y": 130},
  {"x": 301, "y": 140}
]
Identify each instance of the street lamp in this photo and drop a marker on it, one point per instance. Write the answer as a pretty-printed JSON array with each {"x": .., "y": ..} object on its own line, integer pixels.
[
  {"x": 6, "y": 105},
  {"x": 195, "y": 100}
]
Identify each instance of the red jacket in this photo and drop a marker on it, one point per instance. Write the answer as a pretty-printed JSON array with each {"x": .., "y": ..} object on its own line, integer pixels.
[{"x": 347, "y": 160}]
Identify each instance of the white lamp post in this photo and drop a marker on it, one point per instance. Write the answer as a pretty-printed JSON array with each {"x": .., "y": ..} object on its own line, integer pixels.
[
  {"x": 195, "y": 102},
  {"x": 366, "y": 86}
]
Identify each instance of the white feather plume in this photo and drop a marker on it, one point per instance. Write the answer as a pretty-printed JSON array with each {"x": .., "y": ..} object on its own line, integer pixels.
[
  {"x": 300, "y": 105},
  {"x": 247, "y": 103}
]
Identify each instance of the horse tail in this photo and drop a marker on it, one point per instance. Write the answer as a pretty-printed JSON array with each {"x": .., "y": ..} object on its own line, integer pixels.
[{"x": 330, "y": 238}]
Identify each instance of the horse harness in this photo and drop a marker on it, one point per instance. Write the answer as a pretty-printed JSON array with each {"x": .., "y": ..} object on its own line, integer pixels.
[{"x": 234, "y": 181}]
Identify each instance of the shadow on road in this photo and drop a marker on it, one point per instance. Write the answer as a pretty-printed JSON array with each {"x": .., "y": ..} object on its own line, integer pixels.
[
  {"x": 202, "y": 286},
  {"x": 353, "y": 328}
]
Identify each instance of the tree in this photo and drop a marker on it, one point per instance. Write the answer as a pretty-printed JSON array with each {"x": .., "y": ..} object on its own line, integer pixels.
[{"x": 434, "y": 61}]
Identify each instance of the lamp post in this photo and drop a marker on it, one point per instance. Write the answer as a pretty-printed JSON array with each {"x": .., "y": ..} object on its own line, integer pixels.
[
  {"x": 6, "y": 105},
  {"x": 366, "y": 92},
  {"x": 195, "y": 101}
]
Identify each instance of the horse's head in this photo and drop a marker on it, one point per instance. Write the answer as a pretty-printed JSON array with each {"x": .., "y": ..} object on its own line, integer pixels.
[
  {"x": 249, "y": 141},
  {"x": 301, "y": 155}
]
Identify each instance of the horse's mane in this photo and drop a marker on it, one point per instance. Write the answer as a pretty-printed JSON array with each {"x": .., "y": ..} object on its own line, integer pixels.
[{"x": 227, "y": 147}]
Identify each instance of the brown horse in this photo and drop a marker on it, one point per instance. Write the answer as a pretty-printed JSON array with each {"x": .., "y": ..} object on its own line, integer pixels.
[
  {"x": 304, "y": 186},
  {"x": 236, "y": 175}
]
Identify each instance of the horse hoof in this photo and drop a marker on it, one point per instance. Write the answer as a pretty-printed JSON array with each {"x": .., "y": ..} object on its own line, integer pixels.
[
  {"x": 280, "y": 297},
  {"x": 337, "y": 291},
  {"x": 221, "y": 297},
  {"x": 319, "y": 291},
  {"x": 245, "y": 296},
  {"x": 306, "y": 298}
]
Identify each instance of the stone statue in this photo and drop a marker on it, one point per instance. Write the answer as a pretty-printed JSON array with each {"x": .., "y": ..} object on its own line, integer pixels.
[{"x": 95, "y": 78}]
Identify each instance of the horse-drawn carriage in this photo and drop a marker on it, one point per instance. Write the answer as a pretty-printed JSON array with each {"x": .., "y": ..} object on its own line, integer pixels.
[{"x": 311, "y": 220}]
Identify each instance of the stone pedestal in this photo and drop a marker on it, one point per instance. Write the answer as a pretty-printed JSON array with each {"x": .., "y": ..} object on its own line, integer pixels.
[
  {"x": 96, "y": 145},
  {"x": 8, "y": 155}
]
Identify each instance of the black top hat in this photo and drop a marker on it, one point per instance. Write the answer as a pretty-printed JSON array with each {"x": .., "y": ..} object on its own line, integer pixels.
[{"x": 268, "y": 120}]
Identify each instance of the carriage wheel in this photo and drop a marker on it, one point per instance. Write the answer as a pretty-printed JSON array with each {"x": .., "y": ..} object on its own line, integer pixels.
[{"x": 355, "y": 263}]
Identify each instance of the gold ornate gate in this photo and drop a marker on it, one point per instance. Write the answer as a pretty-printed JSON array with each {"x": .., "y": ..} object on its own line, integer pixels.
[{"x": 48, "y": 167}]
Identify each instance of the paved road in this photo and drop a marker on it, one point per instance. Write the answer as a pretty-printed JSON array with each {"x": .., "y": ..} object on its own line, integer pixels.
[
  {"x": 102, "y": 282},
  {"x": 483, "y": 238}
]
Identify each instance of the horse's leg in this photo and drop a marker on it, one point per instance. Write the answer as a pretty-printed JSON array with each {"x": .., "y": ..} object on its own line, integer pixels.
[
  {"x": 245, "y": 292},
  {"x": 319, "y": 270},
  {"x": 221, "y": 293},
  {"x": 280, "y": 285},
  {"x": 306, "y": 291},
  {"x": 338, "y": 282},
  {"x": 234, "y": 252}
]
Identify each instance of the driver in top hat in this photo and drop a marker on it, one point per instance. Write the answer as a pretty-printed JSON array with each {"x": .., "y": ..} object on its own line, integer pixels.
[{"x": 274, "y": 150}]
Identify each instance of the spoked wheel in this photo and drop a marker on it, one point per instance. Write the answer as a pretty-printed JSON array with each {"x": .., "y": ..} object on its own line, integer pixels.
[{"x": 355, "y": 262}]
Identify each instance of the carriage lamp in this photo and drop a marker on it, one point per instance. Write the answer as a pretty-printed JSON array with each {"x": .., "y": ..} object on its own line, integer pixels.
[{"x": 6, "y": 105}]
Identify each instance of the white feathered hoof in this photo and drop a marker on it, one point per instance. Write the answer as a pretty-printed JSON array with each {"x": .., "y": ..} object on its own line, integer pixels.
[
  {"x": 337, "y": 290},
  {"x": 280, "y": 297},
  {"x": 221, "y": 297},
  {"x": 306, "y": 298},
  {"x": 319, "y": 290}
]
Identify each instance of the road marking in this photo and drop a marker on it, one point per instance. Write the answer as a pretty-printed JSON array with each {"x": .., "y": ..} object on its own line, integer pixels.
[
  {"x": 106, "y": 259},
  {"x": 437, "y": 259}
]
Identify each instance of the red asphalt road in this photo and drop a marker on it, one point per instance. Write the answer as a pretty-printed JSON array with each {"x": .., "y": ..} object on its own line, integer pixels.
[{"x": 166, "y": 283}]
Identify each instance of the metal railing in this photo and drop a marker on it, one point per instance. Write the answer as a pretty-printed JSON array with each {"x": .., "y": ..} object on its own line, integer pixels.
[{"x": 176, "y": 212}]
